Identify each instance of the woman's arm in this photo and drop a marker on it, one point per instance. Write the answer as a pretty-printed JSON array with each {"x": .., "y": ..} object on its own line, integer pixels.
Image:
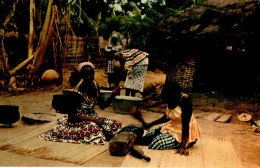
[
  {"x": 186, "y": 106},
  {"x": 104, "y": 104},
  {"x": 163, "y": 119},
  {"x": 84, "y": 118}
]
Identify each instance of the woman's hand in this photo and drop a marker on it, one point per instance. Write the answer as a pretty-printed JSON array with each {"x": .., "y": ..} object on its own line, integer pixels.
[
  {"x": 116, "y": 90},
  {"x": 146, "y": 126},
  {"x": 98, "y": 122},
  {"x": 182, "y": 151}
]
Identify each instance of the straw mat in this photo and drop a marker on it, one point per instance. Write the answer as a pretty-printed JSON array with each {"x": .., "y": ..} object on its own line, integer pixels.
[
  {"x": 31, "y": 145},
  {"x": 207, "y": 152}
]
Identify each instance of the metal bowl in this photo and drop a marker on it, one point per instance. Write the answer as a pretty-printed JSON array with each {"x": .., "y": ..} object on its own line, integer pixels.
[{"x": 123, "y": 104}]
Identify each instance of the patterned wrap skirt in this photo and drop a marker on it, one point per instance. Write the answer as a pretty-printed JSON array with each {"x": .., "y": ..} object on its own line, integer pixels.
[
  {"x": 85, "y": 132},
  {"x": 135, "y": 79}
]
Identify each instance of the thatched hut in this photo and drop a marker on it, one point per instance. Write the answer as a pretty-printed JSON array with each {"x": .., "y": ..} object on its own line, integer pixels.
[{"x": 224, "y": 38}]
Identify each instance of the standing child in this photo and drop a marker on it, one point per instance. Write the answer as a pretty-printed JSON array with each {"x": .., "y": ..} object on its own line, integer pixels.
[{"x": 114, "y": 46}]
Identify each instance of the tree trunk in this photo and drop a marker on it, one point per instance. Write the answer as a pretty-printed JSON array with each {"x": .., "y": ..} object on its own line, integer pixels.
[
  {"x": 38, "y": 60},
  {"x": 3, "y": 56},
  {"x": 39, "y": 52},
  {"x": 7, "y": 19},
  {"x": 50, "y": 31},
  {"x": 32, "y": 78},
  {"x": 31, "y": 28}
]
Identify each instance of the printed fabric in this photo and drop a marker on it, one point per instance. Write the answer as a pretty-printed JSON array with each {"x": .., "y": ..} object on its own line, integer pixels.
[
  {"x": 133, "y": 57},
  {"x": 135, "y": 78}
]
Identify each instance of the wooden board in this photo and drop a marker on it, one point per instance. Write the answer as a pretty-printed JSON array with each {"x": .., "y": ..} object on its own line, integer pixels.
[
  {"x": 38, "y": 117},
  {"x": 213, "y": 116},
  {"x": 207, "y": 152},
  {"x": 201, "y": 115},
  {"x": 224, "y": 118}
]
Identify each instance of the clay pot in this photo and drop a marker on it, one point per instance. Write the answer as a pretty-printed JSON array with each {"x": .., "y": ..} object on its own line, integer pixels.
[
  {"x": 65, "y": 104},
  {"x": 9, "y": 114},
  {"x": 50, "y": 78},
  {"x": 50, "y": 75}
]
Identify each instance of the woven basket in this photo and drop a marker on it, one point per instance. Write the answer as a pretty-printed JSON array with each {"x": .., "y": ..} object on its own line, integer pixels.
[{"x": 183, "y": 74}]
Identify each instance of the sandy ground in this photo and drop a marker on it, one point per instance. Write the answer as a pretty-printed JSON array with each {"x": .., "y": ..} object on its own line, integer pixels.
[{"x": 245, "y": 143}]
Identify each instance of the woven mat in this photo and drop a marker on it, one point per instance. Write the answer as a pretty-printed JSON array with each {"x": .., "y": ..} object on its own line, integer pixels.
[
  {"x": 31, "y": 145},
  {"x": 207, "y": 152}
]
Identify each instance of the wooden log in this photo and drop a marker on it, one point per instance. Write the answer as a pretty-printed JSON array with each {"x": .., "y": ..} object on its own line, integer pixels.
[
  {"x": 224, "y": 118},
  {"x": 138, "y": 153},
  {"x": 47, "y": 38},
  {"x": 31, "y": 29},
  {"x": 121, "y": 143},
  {"x": 22, "y": 64},
  {"x": 37, "y": 59},
  {"x": 3, "y": 55}
]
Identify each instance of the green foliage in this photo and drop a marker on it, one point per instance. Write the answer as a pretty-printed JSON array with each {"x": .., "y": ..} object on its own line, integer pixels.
[
  {"x": 5, "y": 7},
  {"x": 170, "y": 12},
  {"x": 135, "y": 21},
  {"x": 153, "y": 14}
]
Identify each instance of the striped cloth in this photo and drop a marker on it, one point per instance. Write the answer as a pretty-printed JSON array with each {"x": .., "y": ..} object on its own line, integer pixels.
[
  {"x": 133, "y": 56},
  {"x": 154, "y": 139},
  {"x": 166, "y": 141}
]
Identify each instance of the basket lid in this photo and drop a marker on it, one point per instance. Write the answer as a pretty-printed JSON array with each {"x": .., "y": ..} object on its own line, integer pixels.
[{"x": 245, "y": 117}]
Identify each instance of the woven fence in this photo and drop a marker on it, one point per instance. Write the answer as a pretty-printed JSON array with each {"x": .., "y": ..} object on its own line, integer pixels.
[
  {"x": 183, "y": 74},
  {"x": 76, "y": 51}
]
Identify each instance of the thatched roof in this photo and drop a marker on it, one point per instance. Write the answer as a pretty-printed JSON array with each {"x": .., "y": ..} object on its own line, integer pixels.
[
  {"x": 224, "y": 38},
  {"x": 239, "y": 18}
]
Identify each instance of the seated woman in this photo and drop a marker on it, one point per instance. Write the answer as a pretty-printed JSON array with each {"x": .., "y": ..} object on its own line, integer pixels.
[
  {"x": 180, "y": 129},
  {"x": 83, "y": 124}
]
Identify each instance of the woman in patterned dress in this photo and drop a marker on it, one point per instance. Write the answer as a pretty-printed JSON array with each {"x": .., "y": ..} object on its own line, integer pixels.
[
  {"x": 83, "y": 124},
  {"x": 180, "y": 129}
]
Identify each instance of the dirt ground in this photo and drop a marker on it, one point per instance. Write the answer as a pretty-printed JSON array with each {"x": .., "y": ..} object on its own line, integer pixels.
[{"x": 245, "y": 143}]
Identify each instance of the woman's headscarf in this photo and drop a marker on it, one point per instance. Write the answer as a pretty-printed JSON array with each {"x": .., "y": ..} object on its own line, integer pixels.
[
  {"x": 83, "y": 64},
  {"x": 115, "y": 35}
]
